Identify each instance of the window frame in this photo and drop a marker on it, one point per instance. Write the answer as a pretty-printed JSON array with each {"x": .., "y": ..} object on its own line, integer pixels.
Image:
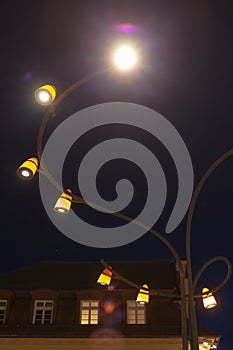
[
  {"x": 43, "y": 308},
  {"x": 136, "y": 312},
  {"x": 90, "y": 312}
]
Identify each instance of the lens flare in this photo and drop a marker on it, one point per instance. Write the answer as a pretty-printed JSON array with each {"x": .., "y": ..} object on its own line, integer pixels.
[
  {"x": 126, "y": 28},
  {"x": 106, "y": 338},
  {"x": 109, "y": 306}
]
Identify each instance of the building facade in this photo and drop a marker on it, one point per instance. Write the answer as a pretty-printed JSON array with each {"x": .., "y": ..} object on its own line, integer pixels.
[{"x": 58, "y": 305}]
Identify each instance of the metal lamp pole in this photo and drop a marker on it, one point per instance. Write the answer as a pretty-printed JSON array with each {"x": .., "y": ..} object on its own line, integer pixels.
[{"x": 191, "y": 286}]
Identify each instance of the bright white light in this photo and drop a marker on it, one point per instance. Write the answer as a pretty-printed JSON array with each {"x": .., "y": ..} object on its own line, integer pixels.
[
  {"x": 205, "y": 342},
  {"x": 25, "y": 173},
  {"x": 125, "y": 58},
  {"x": 44, "y": 96},
  {"x": 61, "y": 210}
]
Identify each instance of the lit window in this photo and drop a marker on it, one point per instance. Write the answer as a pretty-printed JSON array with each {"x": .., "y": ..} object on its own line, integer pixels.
[
  {"x": 136, "y": 313},
  {"x": 43, "y": 312},
  {"x": 3, "y": 304},
  {"x": 89, "y": 311}
]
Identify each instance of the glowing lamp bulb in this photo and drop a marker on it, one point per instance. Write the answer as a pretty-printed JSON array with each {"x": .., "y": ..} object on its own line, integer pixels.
[
  {"x": 27, "y": 169},
  {"x": 208, "y": 299},
  {"x": 45, "y": 94},
  {"x": 143, "y": 295},
  {"x": 105, "y": 277},
  {"x": 25, "y": 173},
  {"x": 61, "y": 210},
  {"x": 125, "y": 58},
  {"x": 63, "y": 203}
]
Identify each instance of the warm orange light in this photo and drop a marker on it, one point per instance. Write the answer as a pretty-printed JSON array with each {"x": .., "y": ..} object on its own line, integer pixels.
[
  {"x": 105, "y": 277},
  {"x": 63, "y": 203},
  {"x": 45, "y": 94},
  {"x": 28, "y": 169},
  {"x": 143, "y": 295},
  {"x": 109, "y": 306},
  {"x": 208, "y": 299}
]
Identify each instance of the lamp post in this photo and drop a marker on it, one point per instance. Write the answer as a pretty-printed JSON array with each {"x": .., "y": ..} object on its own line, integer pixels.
[
  {"x": 190, "y": 296},
  {"x": 46, "y": 95}
]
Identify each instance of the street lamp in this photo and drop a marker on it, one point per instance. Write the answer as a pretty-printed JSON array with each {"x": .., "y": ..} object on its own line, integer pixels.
[
  {"x": 208, "y": 299},
  {"x": 105, "y": 277},
  {"x": 143, "y": 295},
  {"x": 45, "y": 95},
  {"x": 28, "y": 168},
  {"x": 125, "y": 58},
  {"x": 189, "y": 294},
  {"x": 64, "y": 202}
]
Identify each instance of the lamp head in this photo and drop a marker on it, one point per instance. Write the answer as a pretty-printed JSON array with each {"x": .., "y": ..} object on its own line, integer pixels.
[
  {"x": 27, "y": 169},
  {"x": 105, "y": 277},
  {"x": 143, "y": 295},
  {"x": 208, "y": 299},
  {"x": 63, "y": 203},
  {"x": 45, "y": 94}
]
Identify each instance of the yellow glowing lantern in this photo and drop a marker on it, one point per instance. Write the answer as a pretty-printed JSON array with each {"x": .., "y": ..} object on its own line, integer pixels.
[
  {"x": 105, "y": 277},
  {"x": 45, "y": 94},
  {"x": 208, "y": 299},
  {"x": 63, "y": 203},
  {"x": 28, "y": 169},
  {"x": 143, "y": 295}
]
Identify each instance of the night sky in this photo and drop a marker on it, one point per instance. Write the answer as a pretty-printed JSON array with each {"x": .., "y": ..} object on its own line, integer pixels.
[{"x": 185, "y": 74}]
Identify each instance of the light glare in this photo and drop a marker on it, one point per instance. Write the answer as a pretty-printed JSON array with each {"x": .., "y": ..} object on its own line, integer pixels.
[
  {"x": 25, "y": 173},
  {"x": 60, "y": 210},
  {"x": 125, "y": 58},
  {"x": 44, "y": 96}
]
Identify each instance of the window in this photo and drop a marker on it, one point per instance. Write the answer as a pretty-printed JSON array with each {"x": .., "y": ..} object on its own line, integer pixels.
[
  {"x": 89, "y": 311},
  {"x": 3, "y": 304},
  {"x": 43, "y": 312},
  {"x": 136, "y": 313}
]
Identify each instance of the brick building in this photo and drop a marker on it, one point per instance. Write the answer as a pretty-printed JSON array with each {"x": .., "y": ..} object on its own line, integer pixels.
[{"x": 58, "y": 305}]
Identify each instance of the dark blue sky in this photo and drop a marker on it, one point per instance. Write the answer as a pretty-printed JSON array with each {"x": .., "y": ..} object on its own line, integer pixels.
[{"x": 186, "y": 76}]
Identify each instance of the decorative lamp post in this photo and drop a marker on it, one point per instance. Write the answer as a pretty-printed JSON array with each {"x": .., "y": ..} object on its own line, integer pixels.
[{"x": 125, "y": 58}]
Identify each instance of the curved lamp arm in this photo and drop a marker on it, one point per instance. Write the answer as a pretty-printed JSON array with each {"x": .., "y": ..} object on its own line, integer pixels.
[
  {"x": 192, "y": 314},
  {"x": 117, "y": 276},
  {"x": 50, "y": 113},
  {"x": 203, "y": 268},
  {"x": 194, "y": 201}
]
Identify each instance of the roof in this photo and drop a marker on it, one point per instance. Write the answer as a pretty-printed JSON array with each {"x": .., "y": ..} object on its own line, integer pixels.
[{"x": 159, "y": 274}]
